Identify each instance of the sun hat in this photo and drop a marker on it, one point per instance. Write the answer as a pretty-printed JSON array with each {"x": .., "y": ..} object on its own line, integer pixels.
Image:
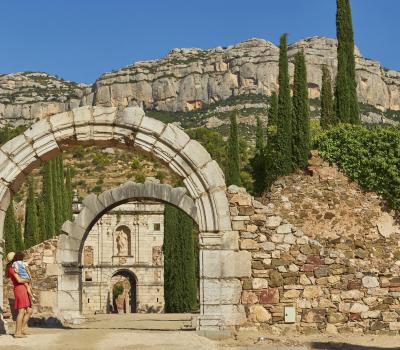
[{"x": 9, "y": 257}]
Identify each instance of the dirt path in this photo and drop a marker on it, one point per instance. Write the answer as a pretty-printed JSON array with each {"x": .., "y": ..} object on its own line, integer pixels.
[{"x": 100, "y": 339}]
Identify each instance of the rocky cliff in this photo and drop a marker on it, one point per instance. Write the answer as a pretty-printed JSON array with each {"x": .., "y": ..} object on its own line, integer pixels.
[{"x": 189, "y": 79}]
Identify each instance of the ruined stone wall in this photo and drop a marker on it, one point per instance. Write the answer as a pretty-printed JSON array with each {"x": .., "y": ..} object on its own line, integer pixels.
[
  {"x": 44, "y": 272},
  {"x": 336, "y": 283}
]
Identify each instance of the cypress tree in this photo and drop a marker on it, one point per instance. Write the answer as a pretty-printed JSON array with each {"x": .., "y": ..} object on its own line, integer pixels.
[
  {"x": 347, "y": 109},
  {"x": 172, "y": 266},
  {"x": 63, "y": 190},
  {"x": 41, "y": 220},
  {"x": 327, "y": 112},
  {"x": 284, "y": 122},
  {"x": 10, "y": 229},
  {"x": 69, "y": 195},
  {"x": 189, "y": 297},
  {"x": 19, "y": 243},
  {"x": 56, "y": 195},
  {"x": 273, "y": 109},
  {"x": 258, "y": 162},
  {"x": 47, "y": 196},
  {"x": 180, "y": 290},
  {"x": 233, "y": 160},
  {"x": 301, "y": 114},
  {"x": 31, "y": 219}
]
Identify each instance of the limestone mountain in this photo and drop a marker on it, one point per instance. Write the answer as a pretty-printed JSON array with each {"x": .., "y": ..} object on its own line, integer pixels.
[{"x": 194, "y": 80}]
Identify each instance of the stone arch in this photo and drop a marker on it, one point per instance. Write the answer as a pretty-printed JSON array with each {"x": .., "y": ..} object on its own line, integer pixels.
[
  {"x": 221, "y": 262},
  {"x": 110, "y": 126}
]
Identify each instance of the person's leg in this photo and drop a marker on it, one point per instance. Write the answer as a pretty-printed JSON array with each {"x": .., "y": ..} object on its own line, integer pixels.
[
  {"x": 27, "y": 315},
  {"x": 18, "y": 323}
]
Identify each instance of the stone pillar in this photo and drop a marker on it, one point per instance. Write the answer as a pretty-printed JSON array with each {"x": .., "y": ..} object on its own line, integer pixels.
[
  {"x": 68, "y": 294},
  {"x": 221, "y": 266}
]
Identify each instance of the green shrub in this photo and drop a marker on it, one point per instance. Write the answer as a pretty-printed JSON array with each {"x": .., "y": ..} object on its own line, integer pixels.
[
  {"x": 78, "y": 152},
  {"x": 118, "y": 289},
  {"x": 370, "y": 156},
  {"x": 135, "y": 164}
]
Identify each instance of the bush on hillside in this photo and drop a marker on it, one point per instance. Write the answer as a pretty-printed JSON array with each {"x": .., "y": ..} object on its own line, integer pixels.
[{"x": 370, "y": 156}]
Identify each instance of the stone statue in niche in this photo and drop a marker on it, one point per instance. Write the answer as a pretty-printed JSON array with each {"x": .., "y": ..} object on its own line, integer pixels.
[
  {"x": 122, "y": 242},
  {"x": 157, "y": 256}
]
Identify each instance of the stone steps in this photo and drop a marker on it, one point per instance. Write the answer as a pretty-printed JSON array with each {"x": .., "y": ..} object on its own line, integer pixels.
[{"x": 160, "y": 322}]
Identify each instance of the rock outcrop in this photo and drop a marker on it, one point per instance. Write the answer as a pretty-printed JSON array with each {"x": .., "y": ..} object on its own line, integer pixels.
[{"x": 188, "y": 79}]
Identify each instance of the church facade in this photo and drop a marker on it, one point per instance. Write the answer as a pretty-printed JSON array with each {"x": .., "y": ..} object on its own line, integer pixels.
[{"x": 122, "y": 261}]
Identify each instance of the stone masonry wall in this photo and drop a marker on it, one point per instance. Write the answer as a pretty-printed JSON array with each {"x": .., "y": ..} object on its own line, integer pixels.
[
  {"x": 337, "y": 284},
  {"x": 44, "y": 272}
]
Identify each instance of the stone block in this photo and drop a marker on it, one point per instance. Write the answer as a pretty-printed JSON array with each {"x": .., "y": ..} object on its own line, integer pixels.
[
  {"x": 180, "y": 166},
  {"x": 221, "y": 291},
  {"x": 195, "y": 154},
  {"x": 129, "y": 117},
  {"x": 92, "y": 202},
  {"x": 5, "y": 197},
  {"x": 194, "y": 185},
  {"x": 230, "y": 240},
  {"x": 82, "y": 115},
  {"x": 85, "y": 218},
  {"x": 273, "y": 221},
  {"x": 67, "y": 256},
  {"x": 260, "y": 283},
  {"x": 358, "y": 308},
  {"x": 61, "y": 121},
  {"x": 226, "y": 264},
  {"x": 69, "y": 282},
  {"x": 205, "y": 214},
  {"x": 275, "y": 279},
  {"x": 144, "y": 141},
  {"x": 370, "y": 282},
  {"x": 46, "y": 147},
  {"x": 212, "y": 174},
  {"x": 311, "y": 292},
  {"x": 248, "y": 244},
  {"x": 221, "y": 205},
  {"x": 48, "y": 298},
  {"x": 174, "y": 137},
  {"x": 257, "y": 313},
  {"x": 249, "y": 298},
  {"x": 151, "y": 126},
  {"x": 284, "y": 229},
  {"x": 104, "y": 115},
  {"x": 52, "y": 270},
  {"x": 164, "y": 152},
  {"x": 9, "y": 171}
]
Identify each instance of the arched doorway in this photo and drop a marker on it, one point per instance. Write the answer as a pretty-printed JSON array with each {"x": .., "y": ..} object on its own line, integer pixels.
[{"x": 122, "y": 292}]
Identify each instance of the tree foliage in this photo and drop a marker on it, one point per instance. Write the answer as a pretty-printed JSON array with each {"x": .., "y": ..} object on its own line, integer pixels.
[
  {"x": 12, "y": 234},
  {"x": 347, "y": 109},
  {"x": 180, "y": 291},
  {"x": 233, "y": 158},
  {"x": 273, "y": 109},
  {"x": 31, "y": 219},
  {"x": 258, "y": 162},
  {"x": 48, "y": 199},
  {"x": 284, "y": 122},
  {"x": 301, "y": 114},
  {"x": 370, "y": 156},
  {"x": 327, "y": 113}
]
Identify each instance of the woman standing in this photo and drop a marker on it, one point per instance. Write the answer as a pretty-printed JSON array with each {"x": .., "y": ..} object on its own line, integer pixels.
[{"x": 22, "y": 301}]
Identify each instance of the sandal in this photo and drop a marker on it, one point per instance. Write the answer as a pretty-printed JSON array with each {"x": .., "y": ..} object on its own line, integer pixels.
[{"x": 20, "y": 336}]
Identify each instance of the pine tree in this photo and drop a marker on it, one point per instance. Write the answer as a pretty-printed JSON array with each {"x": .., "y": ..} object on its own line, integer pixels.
[
  {"x": 258, "y": 162},
  {"x": 347, "y": 109},
  {"x": 301, "y": 114},
  {"x": 47, "y": 196},
  {"x": 69, "y": 195},
  {"x": 233, "y": 160},
  {"x": 10, "y": 229},
  {"x": 273, "y": 109},
  {"x": 31, "y": 219},
  {"x": 327, "y": 112},
  {"x": 41, "y": 219},
  {"x": 284, "y": 122},
  {"x": 180, "y": 290}
]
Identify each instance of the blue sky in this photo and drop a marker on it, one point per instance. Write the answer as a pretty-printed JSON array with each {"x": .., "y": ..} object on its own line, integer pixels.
[{"x": 81, "y": 39}]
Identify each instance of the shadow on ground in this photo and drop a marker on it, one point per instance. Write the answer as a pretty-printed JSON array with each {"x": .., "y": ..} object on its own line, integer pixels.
[{"x": 346, "y": 346}]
